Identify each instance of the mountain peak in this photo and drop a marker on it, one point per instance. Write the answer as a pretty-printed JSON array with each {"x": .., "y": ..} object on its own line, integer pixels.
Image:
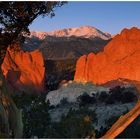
[
  {"x": 87, "y": 27},
  {"x": 82, "y": 31},
  {"x": 40, "y": 35}
]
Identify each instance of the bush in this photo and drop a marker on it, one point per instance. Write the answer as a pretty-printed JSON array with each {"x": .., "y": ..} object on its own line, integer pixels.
[
  {"x": 64, "y": 101},
  {"x": 36, "y": 118},
  {"x": 103, "y": 96},
  {"x": 85, "y": 99},
  {"x": 109, "y": 124},
  {"x": 116, "y": 94},
  {"x": 35, "y": 114},
  {"x": 119, "y": 94},
  {"x": 23, "y": 100},
  {"x": 76, "y": 124},
  {"x": 37, "y": 121},
  {"x": 128, "y": 96}
]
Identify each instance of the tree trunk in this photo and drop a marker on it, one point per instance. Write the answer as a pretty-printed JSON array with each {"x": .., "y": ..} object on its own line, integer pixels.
[
  {"x": 10, "y": 117},
  {"x": 123, "y": 122}
]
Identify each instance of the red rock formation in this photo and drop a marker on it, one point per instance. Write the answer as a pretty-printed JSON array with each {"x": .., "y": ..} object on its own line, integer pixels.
[
  {"x": 24, "y": 70},
  {"x": 120, "y": 59}
]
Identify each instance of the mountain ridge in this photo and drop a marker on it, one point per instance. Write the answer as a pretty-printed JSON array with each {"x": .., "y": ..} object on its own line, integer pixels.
[
  {"x": 82, "y": 31},
  {"x": 67, "y": 43}
]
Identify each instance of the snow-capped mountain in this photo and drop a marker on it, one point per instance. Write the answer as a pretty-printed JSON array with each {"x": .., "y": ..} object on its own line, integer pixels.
[
  {"x": 67, "y": 43},
  {"x": 83, "y": 32},
  {"x": 40, "y": 35}
]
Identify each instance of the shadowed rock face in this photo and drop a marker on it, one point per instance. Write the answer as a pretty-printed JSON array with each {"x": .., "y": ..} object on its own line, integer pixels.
[
  {"x": 24, "y": 70},
  {"x": 120, "y": 59}
]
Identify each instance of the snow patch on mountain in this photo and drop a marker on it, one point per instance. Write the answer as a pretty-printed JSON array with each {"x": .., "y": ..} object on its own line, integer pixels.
[
  {"x": 39, "y": 35},
  {"x": 83, "y": 31}
]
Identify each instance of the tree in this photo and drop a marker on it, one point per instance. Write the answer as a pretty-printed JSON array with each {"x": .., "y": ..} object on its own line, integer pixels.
[
  {"x": 75, "y": 124},
  {"x": 15, "y": 18}
]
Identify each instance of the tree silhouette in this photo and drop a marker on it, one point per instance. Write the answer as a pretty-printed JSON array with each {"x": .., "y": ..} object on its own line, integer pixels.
[{"x": 15, "y": 18}]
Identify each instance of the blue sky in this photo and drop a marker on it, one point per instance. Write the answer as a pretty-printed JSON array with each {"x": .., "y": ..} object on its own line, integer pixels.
[{"x": 110, "y": 17}]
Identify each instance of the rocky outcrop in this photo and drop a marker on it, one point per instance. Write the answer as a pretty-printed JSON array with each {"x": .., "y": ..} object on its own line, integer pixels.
[
  {"x": 24, "y": 70},
  {"x": 120, "y": 59}
]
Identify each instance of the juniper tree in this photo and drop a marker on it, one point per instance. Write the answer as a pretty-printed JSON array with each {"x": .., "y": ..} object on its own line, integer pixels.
[{"x": 15, "y": 18}]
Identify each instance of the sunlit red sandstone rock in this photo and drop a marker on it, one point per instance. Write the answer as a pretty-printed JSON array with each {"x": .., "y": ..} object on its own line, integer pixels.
[
  {"x": 120, "y": 59},
  {"x": 24, "y": 70}
]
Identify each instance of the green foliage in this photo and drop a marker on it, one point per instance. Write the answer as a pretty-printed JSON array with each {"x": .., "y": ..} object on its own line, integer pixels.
[
  {"x": 36, "y": 118},
  {"x": 111, "y": 121},
  {"x": 103, "y": 96},
  {"x": 35, "y": 114},
  {"x": 15, "y": 18},
  {"x": 121, "y": 95},
  {"x": 76, "y": 124},
  {"x": 37, "y": 121},
  {"x": 64, "y": 101},
  {"x": 109, "y": 124},
  {"x": 86, "y": 99},
  {"x": 23, "y": 99}
]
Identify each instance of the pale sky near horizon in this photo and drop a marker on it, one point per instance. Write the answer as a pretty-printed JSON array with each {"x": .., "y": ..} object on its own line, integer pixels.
[{"x": 109, "y": 17}]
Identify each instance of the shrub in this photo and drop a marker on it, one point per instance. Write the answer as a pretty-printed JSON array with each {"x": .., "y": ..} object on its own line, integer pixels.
[
  {"x": 85, "y": 99},
  {"x": 23, "y": 100},
  {"x": 121, "y": 94},
  {"x": 103, "y": 96},
  {"x": 64, "y": 101},
  {"x": 36, "y": 118},
  {"x": 76, "y": 124},
  {"x": 128, "y": 96},
  {"x": 115, "y": 95},
  {"x": 35, "y": 114}
]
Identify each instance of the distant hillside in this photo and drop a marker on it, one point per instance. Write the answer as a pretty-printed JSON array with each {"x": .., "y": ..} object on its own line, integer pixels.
[{"x": 67, "y": 43}]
